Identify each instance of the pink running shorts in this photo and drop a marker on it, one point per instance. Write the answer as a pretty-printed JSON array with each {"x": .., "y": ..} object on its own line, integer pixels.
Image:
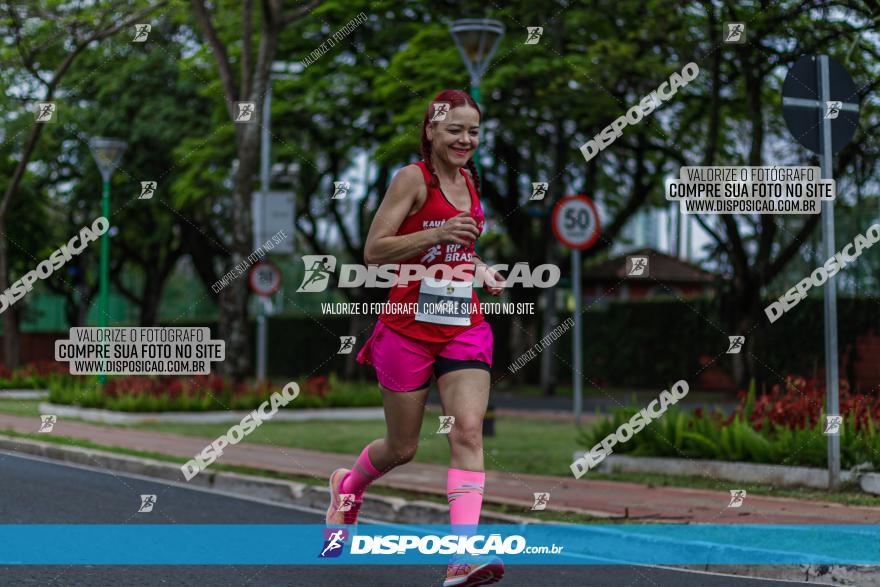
[{"x": 406, "y": 364}]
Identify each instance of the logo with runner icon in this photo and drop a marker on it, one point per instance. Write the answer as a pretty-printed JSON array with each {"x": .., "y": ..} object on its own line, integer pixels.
[
  {"x": 319, "y": 268},
  {"x": 334, "y": 542}
]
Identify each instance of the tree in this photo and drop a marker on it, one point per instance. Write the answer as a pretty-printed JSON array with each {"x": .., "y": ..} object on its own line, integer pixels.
[
  {"x": 43, "y": 58},
  {"x": 380, "y": 80},
  {"x": 745, "y": 84},
  {"x": 252, "y": 81}
]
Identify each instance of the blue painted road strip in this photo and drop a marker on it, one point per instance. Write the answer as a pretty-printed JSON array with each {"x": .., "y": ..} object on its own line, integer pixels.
[{"x": 298, "y": 544}]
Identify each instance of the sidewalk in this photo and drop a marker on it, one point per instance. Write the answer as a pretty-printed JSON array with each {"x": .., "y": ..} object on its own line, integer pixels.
[{"x": 601, "y": 498}]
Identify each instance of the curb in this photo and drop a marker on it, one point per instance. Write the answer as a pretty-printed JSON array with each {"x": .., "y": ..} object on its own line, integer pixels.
[
  {"x": 384, "y": 508},
  {"x": 211, "y": 417},
  {"x": 24, "y": 393},
  {"x": 870, "y": 483},
  {"x": 860, "y": 575}
]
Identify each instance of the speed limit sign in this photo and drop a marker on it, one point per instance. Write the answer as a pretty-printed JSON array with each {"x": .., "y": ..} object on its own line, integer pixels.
[
  {"x": 576, "y": 222},
  {"x": 264, "y": 278}
]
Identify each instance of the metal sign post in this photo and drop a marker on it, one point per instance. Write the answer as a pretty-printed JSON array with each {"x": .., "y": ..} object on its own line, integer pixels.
[
  {"x": 576, "y": 346},
  {"x": 264, "y": 280},
  {"x": 262, "y": 335},
  {"x": 817, "y": 107},
  {"x": 576, "y": 225}
]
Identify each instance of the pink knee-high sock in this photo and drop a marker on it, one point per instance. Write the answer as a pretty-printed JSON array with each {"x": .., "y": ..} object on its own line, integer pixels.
[
  {"x": 464, "y": 489},
  {"x": 362, "y": 474}
]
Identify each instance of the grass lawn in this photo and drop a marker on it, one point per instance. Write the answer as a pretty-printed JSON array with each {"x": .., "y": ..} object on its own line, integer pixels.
[{"x": 20, "y": 407}]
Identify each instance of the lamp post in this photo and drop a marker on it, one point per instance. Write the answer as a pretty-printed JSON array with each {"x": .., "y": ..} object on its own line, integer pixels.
[
  {"x": 107, "y": 153},
  {"x": 279, "y": 70},
  {"x": 477, "y": 39}
]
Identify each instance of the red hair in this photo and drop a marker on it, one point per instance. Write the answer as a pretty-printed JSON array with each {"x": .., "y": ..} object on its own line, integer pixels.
[{"x": 454, "y": 98}]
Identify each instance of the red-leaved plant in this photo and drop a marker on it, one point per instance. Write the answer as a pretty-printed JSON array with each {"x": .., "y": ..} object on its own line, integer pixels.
[
  {"x": 157, "y": 386},
  {"x": 319, "y": 386},
  {"x": 799, "y": 403}
]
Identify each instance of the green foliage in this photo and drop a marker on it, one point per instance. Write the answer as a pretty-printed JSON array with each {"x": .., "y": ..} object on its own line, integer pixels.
[
  {"x": 81, "y": 391},
  {"x": 26, "y": 236},
  {"x": 681, "y": 434},
  {"x": 24, "y": 379}
]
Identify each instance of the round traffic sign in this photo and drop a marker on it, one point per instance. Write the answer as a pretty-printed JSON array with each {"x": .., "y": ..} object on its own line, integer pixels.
[
  {"x": 264, "y": 278},
  {"x": 806, "y": 105},
  {"x": 576, "y": 222}
]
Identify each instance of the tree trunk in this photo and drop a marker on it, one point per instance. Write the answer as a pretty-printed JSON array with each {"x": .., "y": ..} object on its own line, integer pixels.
[
  {"x": 11, "y": 339},
  {"x": 149, "y": 310},
  {"x": 71, "y": 313},
  {"x": 551, "y": 249},
  {"x": 82, "y": 312},
  {"x": 746, "y": 312},
  {"x": 233, "y": 328},
  {"x": 234, "y": 297},
  {"x": 203, "y": 254},
  {"x": 550, "y": 319}
]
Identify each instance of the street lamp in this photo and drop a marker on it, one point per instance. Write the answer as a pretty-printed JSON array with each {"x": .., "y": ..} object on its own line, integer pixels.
[
  {"x": 107, "y": 153},
  {"x": 476, "y": 39}
]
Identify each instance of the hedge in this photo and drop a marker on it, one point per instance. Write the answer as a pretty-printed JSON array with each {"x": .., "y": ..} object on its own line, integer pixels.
[
  {"x": 633, "y": 344},
  {"x": 204, "y": 393}
]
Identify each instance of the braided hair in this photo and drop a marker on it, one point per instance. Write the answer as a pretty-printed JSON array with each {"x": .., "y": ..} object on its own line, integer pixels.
[{"x": 454, "y": 98}]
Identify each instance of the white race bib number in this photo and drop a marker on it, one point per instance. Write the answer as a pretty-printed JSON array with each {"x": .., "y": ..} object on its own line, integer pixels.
[{"x": 445, "y": 302}]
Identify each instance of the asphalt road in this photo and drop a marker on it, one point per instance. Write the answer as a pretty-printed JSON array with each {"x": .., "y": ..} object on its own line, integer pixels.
[{"x": 40, "y": 492}]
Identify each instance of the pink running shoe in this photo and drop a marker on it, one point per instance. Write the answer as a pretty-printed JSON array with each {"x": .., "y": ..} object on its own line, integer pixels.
[
  {"x": 469, "y": 575},
  {"x": 344, "y": 507}
]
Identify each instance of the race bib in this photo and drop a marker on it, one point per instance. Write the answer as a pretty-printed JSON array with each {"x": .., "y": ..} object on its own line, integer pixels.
[{"x": 444, "y": 302}]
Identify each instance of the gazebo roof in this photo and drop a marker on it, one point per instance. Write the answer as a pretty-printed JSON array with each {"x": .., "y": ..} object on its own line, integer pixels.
[{"x": 662, "y": 267}]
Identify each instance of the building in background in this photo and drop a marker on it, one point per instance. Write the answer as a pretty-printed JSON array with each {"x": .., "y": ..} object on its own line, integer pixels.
[{"x": 667, "y": 276}]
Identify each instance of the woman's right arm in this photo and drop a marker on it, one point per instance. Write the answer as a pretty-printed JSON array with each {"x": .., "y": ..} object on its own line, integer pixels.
[{"x": 383, "y": 246}]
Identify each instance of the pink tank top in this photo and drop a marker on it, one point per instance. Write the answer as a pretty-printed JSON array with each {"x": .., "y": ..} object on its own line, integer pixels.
[{"x": 435, "y": 211}]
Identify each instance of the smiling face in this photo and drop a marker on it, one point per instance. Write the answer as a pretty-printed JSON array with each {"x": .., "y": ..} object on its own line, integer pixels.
[{"x": 455, "y": 139}]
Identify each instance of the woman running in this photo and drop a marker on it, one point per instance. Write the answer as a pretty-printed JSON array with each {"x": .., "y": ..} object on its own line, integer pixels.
[{"x": 431, "y": 215}]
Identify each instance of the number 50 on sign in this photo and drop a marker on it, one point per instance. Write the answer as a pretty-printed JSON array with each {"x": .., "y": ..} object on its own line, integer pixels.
[{"x": 576, "y": 222}]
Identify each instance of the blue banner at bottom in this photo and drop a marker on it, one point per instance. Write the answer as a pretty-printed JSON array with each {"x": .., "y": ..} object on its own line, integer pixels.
[{"x": 554, "y": 544}]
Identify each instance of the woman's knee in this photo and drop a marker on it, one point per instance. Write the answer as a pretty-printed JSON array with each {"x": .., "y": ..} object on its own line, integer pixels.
[
  {"x": 402, "y": 449},
  {"x": 467, "y": 435}
]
